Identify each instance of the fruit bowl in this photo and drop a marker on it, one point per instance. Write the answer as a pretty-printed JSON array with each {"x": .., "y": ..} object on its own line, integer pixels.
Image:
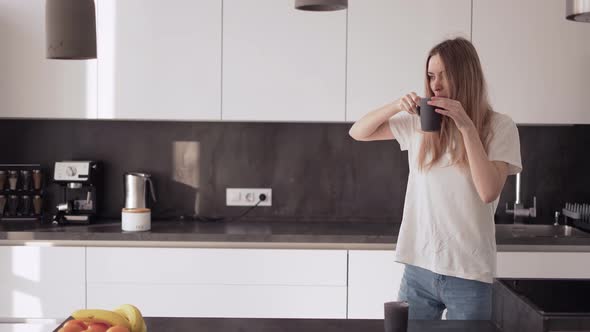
[
  {"x": 125, "y": 318},
  {"x": 63, "y": 323}
]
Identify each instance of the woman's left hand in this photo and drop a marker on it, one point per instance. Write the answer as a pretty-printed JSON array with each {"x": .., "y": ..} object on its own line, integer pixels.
[{"x": 454, "y": 110}]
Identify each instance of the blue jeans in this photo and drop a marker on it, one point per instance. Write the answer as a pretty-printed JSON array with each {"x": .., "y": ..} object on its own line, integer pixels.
[{"x": 429, "y": 293}]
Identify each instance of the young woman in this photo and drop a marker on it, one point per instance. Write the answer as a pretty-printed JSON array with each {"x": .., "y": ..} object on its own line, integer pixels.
[{"x": 447, "y": 236}]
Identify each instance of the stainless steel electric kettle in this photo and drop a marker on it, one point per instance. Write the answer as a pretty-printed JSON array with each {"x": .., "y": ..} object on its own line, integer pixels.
[{"x": 136, "y": 190}]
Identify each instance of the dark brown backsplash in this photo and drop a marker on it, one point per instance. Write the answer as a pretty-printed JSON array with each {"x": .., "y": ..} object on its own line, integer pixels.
[{"x": 316, "y": 171}]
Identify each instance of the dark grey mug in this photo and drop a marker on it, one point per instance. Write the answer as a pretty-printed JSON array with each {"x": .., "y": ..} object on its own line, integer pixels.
[
  {"x": 396, "y": 316},
  {"x": 429, "y": 119}
]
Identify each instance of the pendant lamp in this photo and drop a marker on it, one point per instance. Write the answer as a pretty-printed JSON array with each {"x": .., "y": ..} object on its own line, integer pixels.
[
  {"x": 321, "y": 5},
  {"x": 70, "y": 29},
  {"x": 578, "y": 10}
]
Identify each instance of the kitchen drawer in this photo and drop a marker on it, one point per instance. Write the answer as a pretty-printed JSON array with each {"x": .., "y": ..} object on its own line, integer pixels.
[
  {"x": 216, "y": 266},
  {"x": 275, "y": 301},
  {"x": 543, "y": 265},
  {"x": 374, "y": 277}
]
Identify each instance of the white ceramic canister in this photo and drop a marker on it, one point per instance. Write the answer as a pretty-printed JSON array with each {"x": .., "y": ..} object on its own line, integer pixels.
[{"x": 136, "y": 220}]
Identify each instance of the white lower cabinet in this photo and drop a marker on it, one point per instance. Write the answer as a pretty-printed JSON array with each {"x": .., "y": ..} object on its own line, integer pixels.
[
  {"x": 543, "y": 265},
  {"x": 374, "y": 276},
  {"x": 373, "y": 279},
  {"x": 184, "y": 282},
  {"x": 41, "y": 282},
  {"x": 51, "y": 282}
]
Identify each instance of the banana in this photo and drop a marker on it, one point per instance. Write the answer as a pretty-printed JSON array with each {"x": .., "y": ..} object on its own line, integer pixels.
[
  {"x": 133, "y": 315},
  {"x": 102, "y": 316}
]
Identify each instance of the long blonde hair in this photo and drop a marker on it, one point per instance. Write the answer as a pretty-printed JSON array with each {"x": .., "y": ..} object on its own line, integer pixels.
[{"x": 467, "y": 85}]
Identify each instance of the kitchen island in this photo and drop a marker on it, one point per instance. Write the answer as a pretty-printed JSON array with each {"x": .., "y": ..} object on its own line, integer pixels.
[
  {"x": 307, "y": 325},
  {"x": 157, "y": 324}
]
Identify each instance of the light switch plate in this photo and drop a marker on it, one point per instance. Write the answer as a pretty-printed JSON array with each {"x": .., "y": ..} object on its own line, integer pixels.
[{"x": 247, "y": 196}]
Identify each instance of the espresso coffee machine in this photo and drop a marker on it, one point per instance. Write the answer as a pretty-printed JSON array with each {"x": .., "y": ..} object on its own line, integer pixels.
[{"x": 81, "y": 182}]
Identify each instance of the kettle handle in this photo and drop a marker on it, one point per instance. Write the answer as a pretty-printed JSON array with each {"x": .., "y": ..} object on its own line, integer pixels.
[{"x": 152, "y": 190}]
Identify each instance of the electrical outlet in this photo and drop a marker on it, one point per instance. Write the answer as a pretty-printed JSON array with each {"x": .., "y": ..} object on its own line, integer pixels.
[{"x": 247, "y": 196}]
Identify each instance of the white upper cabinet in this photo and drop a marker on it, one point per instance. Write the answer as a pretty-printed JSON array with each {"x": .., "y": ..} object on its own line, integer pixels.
[
  {"x": 282, "y": 64},
  {"x": 388, "y": 43},
  {"x": 159, "y": 59},
  {"x": 536, "y": 62},
  {"x": 32, "y": 86},
  {"x": 543, "y": 265}
]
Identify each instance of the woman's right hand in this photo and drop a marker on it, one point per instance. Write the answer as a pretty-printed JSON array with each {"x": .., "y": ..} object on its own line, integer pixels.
[{"x": 409, "y": 102}]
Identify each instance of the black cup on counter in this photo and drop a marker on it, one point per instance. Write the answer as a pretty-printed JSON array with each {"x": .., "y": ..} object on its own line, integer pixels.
[
  {"x": 429, "y": 119},
  {"x": 396, "y": 316}
]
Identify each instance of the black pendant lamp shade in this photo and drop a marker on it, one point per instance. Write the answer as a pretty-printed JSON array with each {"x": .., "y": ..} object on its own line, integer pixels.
[
  {"x": 70, "y": 29},
  {"x": 321, "y": 5}
]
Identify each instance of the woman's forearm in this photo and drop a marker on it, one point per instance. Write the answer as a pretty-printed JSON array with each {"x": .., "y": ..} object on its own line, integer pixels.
[
  {"x": 367, "y": 125},
  {"x": 486, "y": 176}
]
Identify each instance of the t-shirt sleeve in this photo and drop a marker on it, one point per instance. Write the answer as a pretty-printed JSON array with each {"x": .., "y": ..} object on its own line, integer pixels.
[
  {"x": 402, "y": 127},
  {"x": 505, "y": 145}
]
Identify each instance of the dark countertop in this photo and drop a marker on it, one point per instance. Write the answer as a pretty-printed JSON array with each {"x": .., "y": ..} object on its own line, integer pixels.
[
  {"x": 246, "y": 231},
  {"x": 306, "y": 325},
  {"x": 254, "y": 234},
  {"x": 157, "y": 324}
]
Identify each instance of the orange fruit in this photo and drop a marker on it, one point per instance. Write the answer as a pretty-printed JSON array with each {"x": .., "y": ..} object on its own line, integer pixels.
[
  {"x": 117, "y": 328},
  {"x": 75, "y": 323},
  {"x": 71, "y": 328},
  {"x": 97, "y": 327}
]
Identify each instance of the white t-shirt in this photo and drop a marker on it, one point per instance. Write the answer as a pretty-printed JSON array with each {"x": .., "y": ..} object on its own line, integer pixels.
[{"x": 446, "y": 227}]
